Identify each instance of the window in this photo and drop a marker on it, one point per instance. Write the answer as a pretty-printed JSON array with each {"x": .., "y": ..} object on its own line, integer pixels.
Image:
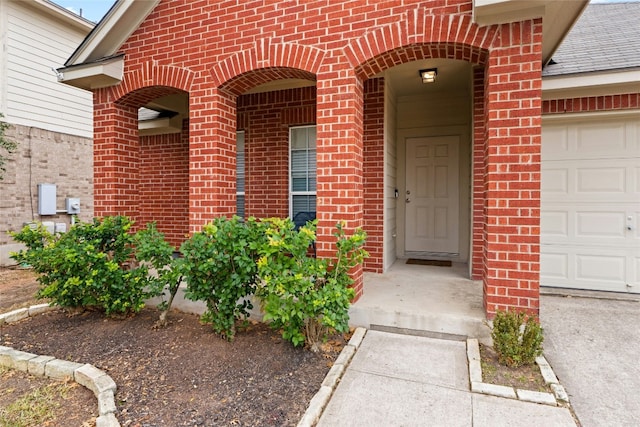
[
  {"x": 240, "y": 174},
  {"x": 302, "y": 182}
]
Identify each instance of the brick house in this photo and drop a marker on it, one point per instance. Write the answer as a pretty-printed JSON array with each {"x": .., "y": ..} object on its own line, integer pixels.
[{"x": 277, "y": 108}]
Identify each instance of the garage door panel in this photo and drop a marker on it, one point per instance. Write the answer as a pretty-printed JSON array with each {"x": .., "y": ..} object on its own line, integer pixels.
[
  {"x": 556, "y": 181},
  {"x": 606, "y": 269},
  {"x": 555, "y": 223},
  {"x": 590, "y": 204},
  {"x": 600, "y": 225},
  {"x": 609, "y": 268},
  {"x": 554, "y": 266},
  {"x": 587, "y": 224},
  {"x": 600, "y": 180},
  {"x": 608, "y": 180},
  {"x": 601, "y": 139}
]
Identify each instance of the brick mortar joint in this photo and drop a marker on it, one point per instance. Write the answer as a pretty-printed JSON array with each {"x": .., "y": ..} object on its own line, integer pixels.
[
  {"x": 38, "y": 309},
  {"x": 486, "y": 387}
]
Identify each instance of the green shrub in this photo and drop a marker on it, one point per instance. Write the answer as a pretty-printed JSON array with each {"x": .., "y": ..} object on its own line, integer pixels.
[
  {"x": 152, "y": 250},
  {"x": 220, "y": 269},
  {"x": 517, "y": 338},
  {"x": 90, "y": 266},
  {"x": 304, "y": 296}
]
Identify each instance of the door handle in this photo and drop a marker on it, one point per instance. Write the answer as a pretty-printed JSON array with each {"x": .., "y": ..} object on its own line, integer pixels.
[{"x": 407, "y": 200}]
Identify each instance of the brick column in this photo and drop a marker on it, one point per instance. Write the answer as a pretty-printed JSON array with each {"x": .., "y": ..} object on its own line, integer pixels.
[
  {"x": 116, "y": 158},
  {"x": 374, "y": 191},
  {"x": 478, "y": 177},
  {"x": 512, "y": 183},
  {"x": 212, "y": 157},
  {"x": 339, "y": 158}
]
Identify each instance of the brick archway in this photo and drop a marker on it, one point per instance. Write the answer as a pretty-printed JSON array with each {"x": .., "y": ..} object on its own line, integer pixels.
[
  {"x": 266, "y": 61},
  {"x": 136, "y": 172},
  {"x": 420, "y": 36},
  {"x": 171, "y": 79}
]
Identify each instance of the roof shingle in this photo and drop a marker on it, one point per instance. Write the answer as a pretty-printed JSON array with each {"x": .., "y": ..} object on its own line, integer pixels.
[{"x": 605, "y": 38}]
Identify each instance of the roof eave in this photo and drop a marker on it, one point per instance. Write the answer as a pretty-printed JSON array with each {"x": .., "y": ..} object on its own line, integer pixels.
[
  {"x": 63, "y": 14},
  {"x": 558, "y": 17},
  {"x": 611, "y": 82},
  {"x": 94, "y": 75},
  {"x": 124, "y": 17}
]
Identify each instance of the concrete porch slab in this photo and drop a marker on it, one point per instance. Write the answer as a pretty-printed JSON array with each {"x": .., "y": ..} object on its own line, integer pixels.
[{"x": 441, "y": 300}]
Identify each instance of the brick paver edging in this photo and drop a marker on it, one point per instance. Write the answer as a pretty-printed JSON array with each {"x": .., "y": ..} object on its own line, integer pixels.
[
  {"x": 331, "y": 380},
  {"x": 101, "y": 384},
  {"x": 477, "y": 386}
]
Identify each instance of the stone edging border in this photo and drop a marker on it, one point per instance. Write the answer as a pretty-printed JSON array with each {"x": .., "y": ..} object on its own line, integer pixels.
[
  {"x": 101, "y": 384},
  {"x": 477, "y": 386},
  {"x": 331, "y": 380}
]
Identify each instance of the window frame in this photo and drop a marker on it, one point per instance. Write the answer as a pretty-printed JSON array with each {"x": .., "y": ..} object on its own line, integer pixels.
[
  {"x": 293, "y": 193},
  {"x": 244, "y": 174}
]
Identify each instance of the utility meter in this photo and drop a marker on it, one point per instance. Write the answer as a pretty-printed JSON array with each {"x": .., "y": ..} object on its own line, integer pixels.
[{"x": 73, "y": 206}]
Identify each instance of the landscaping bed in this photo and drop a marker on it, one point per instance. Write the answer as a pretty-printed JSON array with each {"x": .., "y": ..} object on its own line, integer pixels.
[{"x": 183, "y": 374}]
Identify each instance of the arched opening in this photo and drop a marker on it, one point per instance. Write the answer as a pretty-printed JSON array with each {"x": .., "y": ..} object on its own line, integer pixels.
[
  {"x": 275, "y": 158},
  {"x": 162, "y": 184}
]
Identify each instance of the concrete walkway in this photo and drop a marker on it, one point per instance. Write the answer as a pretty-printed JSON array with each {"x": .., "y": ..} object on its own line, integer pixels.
[
  {"x": 593, "y": 345},
  {"x": 404, "y": 380}
]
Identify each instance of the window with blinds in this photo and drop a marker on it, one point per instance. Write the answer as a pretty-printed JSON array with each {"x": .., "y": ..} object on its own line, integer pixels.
[
  {"x": 302, "y": 180},
  {"x": 240, "y": 174}
]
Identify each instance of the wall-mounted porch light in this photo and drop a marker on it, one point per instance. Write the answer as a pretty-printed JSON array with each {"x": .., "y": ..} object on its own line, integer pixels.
[{"x": 428, "y": 75}]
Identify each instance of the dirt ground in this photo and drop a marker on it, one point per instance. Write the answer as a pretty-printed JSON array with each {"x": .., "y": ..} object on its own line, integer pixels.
[
  {"x": 527, "y": 377},
  {"x": 183, "y": 375}
]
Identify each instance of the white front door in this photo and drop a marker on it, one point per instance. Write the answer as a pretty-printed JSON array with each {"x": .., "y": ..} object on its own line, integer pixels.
[{"x": 431, "y": 196}]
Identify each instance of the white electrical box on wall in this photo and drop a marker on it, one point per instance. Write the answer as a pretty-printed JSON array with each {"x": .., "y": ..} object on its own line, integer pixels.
[
  {"x": 46, "y": 199},
  {"x": 73, "y": 205}
]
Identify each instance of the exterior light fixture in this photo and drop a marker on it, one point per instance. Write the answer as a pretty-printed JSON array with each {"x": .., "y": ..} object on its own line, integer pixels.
[{"x": 428, "y": 75}]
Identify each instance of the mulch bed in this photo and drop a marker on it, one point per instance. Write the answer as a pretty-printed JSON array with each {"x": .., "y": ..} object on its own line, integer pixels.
[{"x": 183, "y": 375}]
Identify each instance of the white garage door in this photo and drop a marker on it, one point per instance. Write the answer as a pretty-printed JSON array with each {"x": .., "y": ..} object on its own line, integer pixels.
[{"x": 590, "y": 227}]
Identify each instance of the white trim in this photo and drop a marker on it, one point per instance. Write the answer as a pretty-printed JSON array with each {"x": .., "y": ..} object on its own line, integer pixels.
[
  {"x": 93, "y": 75},
  {"x": 68, "y": 17},
  {"x": 115, "y": 28},
  {"x": 591, "y": 84}
]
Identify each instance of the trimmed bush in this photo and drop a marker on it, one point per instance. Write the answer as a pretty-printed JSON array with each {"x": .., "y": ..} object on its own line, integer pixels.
[
  {"x": 90, "y": 266},
  {"x": 517, "y": 338},
  {"x": 220, "y": 269},
  {"x": 306, "y": 297}
]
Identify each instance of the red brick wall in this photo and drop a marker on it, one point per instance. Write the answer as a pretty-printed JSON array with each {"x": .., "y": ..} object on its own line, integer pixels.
[
  {"x": 374, "y": 172},
  {"x": 513, "y": 89},
  {"x": 591, "y": 104},
  {"x": 266, "y": 119},
  {"x": 479, "y": 169},
  {"x": 215, "y": 51},
  {"x": 164, "y": 183}
]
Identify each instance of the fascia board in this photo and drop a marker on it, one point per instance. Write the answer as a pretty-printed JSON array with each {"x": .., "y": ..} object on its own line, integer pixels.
[
  {"x": 115, "y": 28},
  {"x": 93, "y": 75},
  {"x": 591, "y": 84}
]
